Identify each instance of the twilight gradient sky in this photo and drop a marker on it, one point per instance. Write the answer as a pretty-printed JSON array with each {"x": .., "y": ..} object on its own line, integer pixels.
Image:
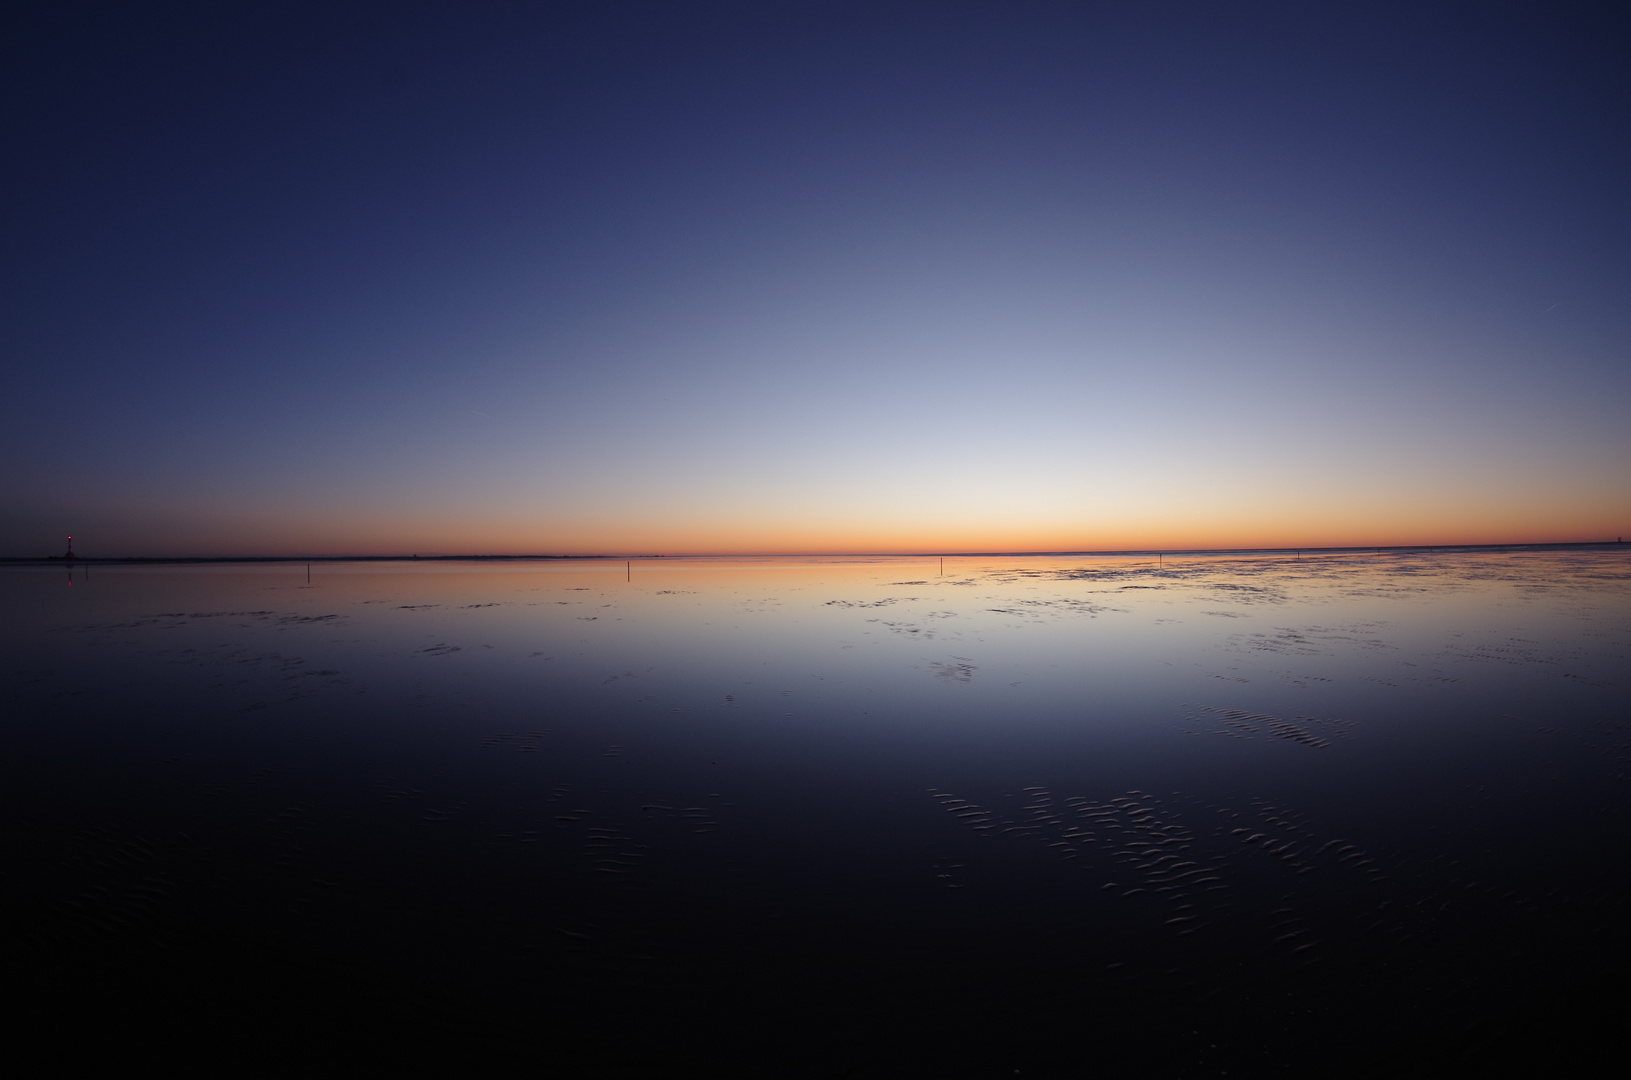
[{"x": 354, "y": 278}]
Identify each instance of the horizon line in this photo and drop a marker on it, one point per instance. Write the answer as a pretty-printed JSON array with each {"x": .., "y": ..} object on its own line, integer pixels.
[{"x": 629, "y": 557}]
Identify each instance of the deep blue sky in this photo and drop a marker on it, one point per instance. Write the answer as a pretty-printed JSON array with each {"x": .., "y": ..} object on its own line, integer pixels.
[{"x": 677, "y": 277}]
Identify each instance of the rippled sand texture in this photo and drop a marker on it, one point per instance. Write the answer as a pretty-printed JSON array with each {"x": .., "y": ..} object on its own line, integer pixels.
[{"x": 1257, "y": 816}]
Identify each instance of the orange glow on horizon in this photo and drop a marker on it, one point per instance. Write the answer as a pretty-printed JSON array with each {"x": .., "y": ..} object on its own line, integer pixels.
[
  {"x": 405, "y": 538},
  {"x": 1187, "y": 516}
]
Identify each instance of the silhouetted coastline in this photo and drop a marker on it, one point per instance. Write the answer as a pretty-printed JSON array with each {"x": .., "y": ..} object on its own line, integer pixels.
[{"x": 1577, "y": 545}]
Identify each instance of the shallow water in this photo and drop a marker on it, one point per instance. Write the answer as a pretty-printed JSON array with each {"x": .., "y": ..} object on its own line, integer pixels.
[{"x": 1254, "y": 816}]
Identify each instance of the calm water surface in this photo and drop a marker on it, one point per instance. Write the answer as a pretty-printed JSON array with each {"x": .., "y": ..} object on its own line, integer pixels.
[{"x": 1052, "y": 816}]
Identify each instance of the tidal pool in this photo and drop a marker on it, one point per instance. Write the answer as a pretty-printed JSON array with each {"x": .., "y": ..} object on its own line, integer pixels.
[{"x": 1025, "y": 816}]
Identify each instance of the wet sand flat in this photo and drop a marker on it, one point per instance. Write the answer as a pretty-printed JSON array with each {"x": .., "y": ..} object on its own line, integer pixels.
[{"x": 1351, "y": 814}]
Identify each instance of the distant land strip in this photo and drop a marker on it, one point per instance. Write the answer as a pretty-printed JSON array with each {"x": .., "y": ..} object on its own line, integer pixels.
[{"x": 132, "y": 560}]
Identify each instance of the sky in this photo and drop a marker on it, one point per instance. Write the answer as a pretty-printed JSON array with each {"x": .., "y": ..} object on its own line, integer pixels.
[{"x": 674, "y": 278}]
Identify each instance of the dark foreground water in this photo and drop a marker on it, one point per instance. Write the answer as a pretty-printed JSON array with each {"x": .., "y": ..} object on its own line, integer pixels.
[{"x": 1032, "y": 816}]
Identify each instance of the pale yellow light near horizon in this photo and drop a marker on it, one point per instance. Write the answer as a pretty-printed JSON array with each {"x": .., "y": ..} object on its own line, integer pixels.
[{"x": 745, "y": 532}]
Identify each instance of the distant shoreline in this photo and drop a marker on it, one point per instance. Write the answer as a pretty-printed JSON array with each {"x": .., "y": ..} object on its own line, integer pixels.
[{"x": 181, "y": 560}]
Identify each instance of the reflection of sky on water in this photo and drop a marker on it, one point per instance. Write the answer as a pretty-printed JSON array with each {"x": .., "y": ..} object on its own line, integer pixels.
[{"x": 1212, "y": 776}]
